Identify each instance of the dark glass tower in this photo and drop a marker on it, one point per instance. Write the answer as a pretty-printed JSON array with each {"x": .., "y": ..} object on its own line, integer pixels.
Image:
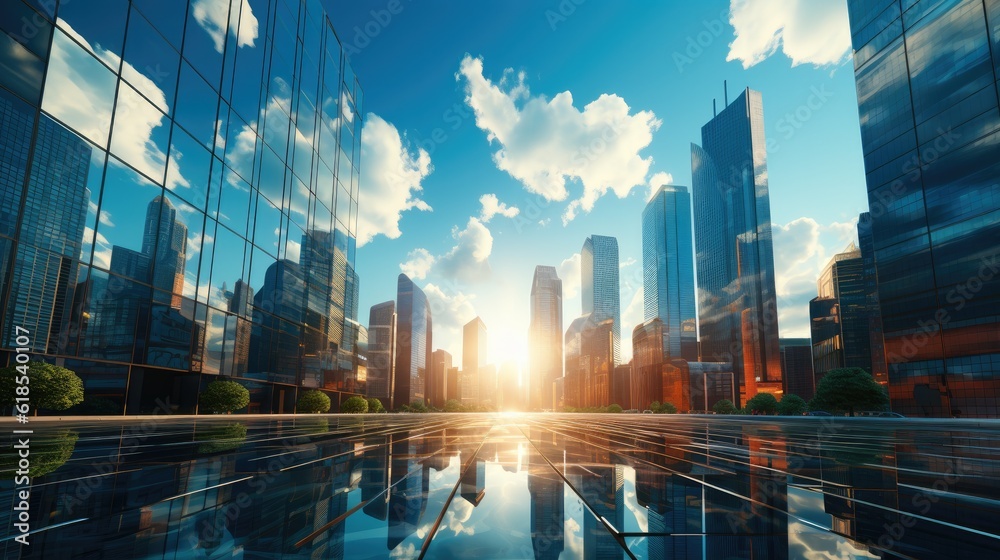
[
  {"x": 668, "y": 269},
  {"x": 838, "y": 317},
  {"x": 599, "y": 285},
  {"x": 927, "y": 96},
  {"x": 545, "y": 336},
  {"x": 164, "y": 168},
  {"x": 738, "y": 315},
  {"x": 382, "y": 351},
  {"x": 413, "y": 343}
]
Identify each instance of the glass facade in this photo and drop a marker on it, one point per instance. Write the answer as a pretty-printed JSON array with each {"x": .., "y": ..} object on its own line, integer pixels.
[
  {"x": 473, "y": 359},
  {"x": 381, "y": 351},
  {"x": 668, "y": 269},
  {"x": 655, "y": 376},
  {"x": 737, "y": 309},
  {"x": 178, "y": 197},
  {"x": 545, "y": 335},
  {"x": 839, "y": 317},
  {"x": 413, "y": 344},
  {"x": 797, "y": 367},
  {"x": 926, "y": 76},
  {"x": 599, "y": 285}
]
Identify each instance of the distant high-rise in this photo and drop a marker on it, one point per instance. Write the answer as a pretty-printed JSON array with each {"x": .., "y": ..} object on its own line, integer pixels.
[
  {"x": 473, "y": 358},
  {"x": 797, "y": 367},
  {"x": 655, "y": 376},
  {"x": 437, "y": 383},
  {"x": 738, "y": 314},
  {"x": 599, "y": 285},
  {"x": 668, "y": 269},
  {"x": 927, "y": 97},
  {"x": 382, "y": 351},
  {"x": 839, "y": 316},
  {"x": 545, "y": 336},
  {"x": 413, "y": 343}
]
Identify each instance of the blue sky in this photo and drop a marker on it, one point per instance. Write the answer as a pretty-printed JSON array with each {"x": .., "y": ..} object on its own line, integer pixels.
[{"x": 497, "y": 104}]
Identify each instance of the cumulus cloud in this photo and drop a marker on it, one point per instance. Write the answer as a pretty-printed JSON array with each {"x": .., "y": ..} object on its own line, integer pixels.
[
  {"x": 807, "y": 32},
  {"x": 569, "y": 271},
  {"x": 215, "y": 19},
  {"x": 492, "y": 206},
  {"x": 658, "y": 180},
  {"x": 468, "y": 259},
  {"x": 802, "y": 248},
  {"x": 390, "y": 180},
  {"x": 418, "y": 264},
  {"x": 545, "y": 143}
]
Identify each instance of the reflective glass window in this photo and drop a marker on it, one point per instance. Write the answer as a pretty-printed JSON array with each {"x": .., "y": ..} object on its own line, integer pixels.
[
  {"x": 17, "y": 120},
  {"x": 20, "y": 70},
  {"x": 26, "y": 26},
  {"x": 196, "y": 105},
  {"x": 128, "y": 222},
  {"x": 150, "y": 63},
  {"x": 168, "y": 17},
  {"x": 267, "y": 226},
  {"x": 140, "y": 136},
  {"x": 100, "y": 24},
  {"x": 188, "y": 168},
  {"x": 227, "y": 265},
  {"x": 234, "y": 206},
  {"x": 272, "y": 176},
  {"x": 241, "y": 147},
  {"x": 205, "y": 37},
  {"x": 80, "y": 91}
]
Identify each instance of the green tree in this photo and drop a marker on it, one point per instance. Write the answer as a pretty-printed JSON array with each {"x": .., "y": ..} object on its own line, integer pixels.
[
  {"x": 849, "y": 389},
  {"x": 354, "y": 405},
  {"x": 792, "y": 405},
  {"x": 614, "y": 408},
  {"x": 762, "y": 403},
  {"x": 417, "y": 406},
  {"x": 223, "y": 397},
  {"x": 667, "y": 408},
  {"x": 375, "y": 405},
  {"x": 49, "y": 451},
  {"x": 453, "y": 405},
  {"x": 654, "y": 406},
  {"x": 50, "y": 387},
  {"x": 725, "y": 406},
  {"x": 313, "y": 401}
]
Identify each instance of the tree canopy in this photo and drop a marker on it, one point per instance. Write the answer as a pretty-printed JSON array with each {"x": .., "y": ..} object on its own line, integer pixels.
[
  {"x": 50, "y": 387},
  {"x": 792, "y": 405},
  {"x": 313, "y": 401},
  {"x": 849, "y": 389},
  {"x": 375, "y": 405},
  {"x": 354, "y": 405},
  {"x": 223, "y": 397},
  {"x": 725, "y": 406},
  {"x": 762, "y": 403}
]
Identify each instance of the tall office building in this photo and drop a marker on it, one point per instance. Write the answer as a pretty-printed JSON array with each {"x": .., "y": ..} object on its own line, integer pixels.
[
  {"x": 437, "y": 383},
  {"x": 545, "y": 337},
  {"x": 927, "y": 98},
  {"x": 382, "y": 352},
  {"x": 737, "y": 309},
  {"x": 797, "y": 367},
  {"x": 473, "y": 358},
  {"x": 413, "y": 343},
  {"x": 655, "y": 376},
  {"x": 668, "y": 269},
  {"x": 838, "y": 317},
  {"x": 153, "y": 156},
  {"x": 866, "y": 242},
  {"x": 599, "y": 285}
]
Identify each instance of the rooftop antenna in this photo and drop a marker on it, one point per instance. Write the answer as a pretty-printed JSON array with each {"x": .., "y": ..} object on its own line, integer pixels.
[
  {"x": 725, "y": 91},
  {"x": 715, "y": 113}
]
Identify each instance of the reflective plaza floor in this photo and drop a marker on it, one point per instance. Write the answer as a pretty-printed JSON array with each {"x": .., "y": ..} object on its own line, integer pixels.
[{"x": 496, "y": 486}]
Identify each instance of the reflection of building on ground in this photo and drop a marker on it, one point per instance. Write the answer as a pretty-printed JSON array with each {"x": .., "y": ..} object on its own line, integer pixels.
[
  {"x": 547, "y": 510},
  {"x": 602, "y": 487},
  {"x": 673, "y": 504},
  {"x": 408, "y": 491}
]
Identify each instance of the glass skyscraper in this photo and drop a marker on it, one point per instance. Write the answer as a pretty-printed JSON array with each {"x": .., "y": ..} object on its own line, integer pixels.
[
  {"x": 599, "y": 285},
  {"x": 737, "y": 308},
  {"x": 545, "y": 336},
  {"x": 178, "y": 198},
  {"x": 413, "y": 343},
  {"x": 930, "y": 129},
  {"x": 381, "y": 351},
  {"x": 838, "y": 317},
  {"x": 668, "y": 270},
  {"x": 473, "y": 359}
]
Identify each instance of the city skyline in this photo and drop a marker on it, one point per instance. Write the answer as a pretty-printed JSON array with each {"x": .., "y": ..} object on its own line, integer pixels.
[{"x": 459, "y": 180}]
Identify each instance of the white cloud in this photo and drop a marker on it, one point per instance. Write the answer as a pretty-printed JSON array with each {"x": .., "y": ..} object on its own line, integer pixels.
[
  {"x": 468, "y": 260},
  {"x": 627, "y": 262},
  {"x": 658, "y": 180},
  {"x": 418, "y": 264},
  {"x": 802, "y": 248},
  {"x": 451, "y": 309},
  {"x": 808, "y": 32},
  {"x": 492, "y": 206},
  {"x": 390, "y": 180},
  {"x": 569, "y": 271},
  {"x": 214, "y": 18},
  {"x": 543, "y": 143}
]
